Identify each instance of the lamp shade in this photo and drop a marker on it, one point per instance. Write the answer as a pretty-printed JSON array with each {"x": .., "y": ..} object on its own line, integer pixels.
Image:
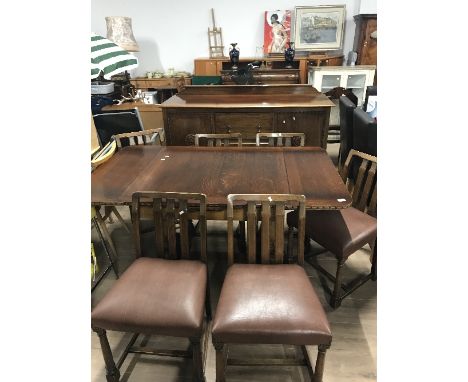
[{"x": 119, "y": 30}]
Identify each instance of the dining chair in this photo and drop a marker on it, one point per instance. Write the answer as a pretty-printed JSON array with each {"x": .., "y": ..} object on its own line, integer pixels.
[
  {"x": 163, "y": 295},
  {"x": 346, "y": 108},
  {"x": 146, "y": 137},
  {"x": 364, "y": 132},
  {"x": 268, "y": 303},
  {"x": 280, "y": 139},
  {"x": 219, "y": 140},
  {"x": 334, "y": 95},
  {"x": 343, "y": 232}
]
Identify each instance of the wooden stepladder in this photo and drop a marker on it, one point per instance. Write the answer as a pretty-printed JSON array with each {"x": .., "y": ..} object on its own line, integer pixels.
[{"x": 215, "y": 39}]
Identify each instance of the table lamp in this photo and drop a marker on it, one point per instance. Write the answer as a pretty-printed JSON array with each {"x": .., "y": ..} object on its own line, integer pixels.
[{"x": 119, "y": 31}]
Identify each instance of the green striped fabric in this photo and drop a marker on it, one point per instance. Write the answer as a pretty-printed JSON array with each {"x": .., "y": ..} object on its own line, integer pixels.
[{"x": 109, "y": 58}]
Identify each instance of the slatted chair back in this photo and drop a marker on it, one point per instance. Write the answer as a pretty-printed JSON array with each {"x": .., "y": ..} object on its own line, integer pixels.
[
  {"x": 281, "y": 139},
  {"x": 272, "y": 210},
  {"x": 364, "y": 188},
  {"x": 146, "y": 137},
  {"x": 170, "y": 214},
  {"x": 219, "y": 140}
]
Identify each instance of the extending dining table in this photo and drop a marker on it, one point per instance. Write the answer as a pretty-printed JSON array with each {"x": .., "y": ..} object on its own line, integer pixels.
[{"x": 220, "y": 171}]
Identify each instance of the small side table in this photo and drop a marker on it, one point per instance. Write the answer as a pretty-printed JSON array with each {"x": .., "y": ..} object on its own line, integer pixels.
[{"x": 167, "y": 86}]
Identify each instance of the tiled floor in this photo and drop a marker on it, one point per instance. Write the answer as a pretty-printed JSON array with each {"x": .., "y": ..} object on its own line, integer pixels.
[{"x": 351, "y": 358}]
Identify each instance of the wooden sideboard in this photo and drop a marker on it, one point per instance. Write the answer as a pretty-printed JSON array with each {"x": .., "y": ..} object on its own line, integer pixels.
[
  {"x": 246, "y": 109},
  {"x": 265, "y": 77},
  {"x": 214, "y": 66}
]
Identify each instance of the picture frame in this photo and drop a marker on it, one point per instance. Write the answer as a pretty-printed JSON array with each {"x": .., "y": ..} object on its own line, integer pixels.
[
  {"x": 276, "y": 31},
  {"x": 319, "y": 28}
]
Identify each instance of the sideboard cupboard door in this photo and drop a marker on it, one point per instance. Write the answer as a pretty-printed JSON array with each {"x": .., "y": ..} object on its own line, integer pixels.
[
  {"x": 301, "y": 122},
  {"x": 182, "y": 126},
  {"x": 207, "y": 67}
]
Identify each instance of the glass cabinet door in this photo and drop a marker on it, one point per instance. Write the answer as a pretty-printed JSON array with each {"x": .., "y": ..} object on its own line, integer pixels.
[
  {"x": 357, "y": 82},
  {"x": 330, "y": 81}
]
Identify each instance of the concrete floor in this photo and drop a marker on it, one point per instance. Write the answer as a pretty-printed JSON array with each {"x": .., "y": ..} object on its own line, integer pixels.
[{"x": 351, "y": 358}]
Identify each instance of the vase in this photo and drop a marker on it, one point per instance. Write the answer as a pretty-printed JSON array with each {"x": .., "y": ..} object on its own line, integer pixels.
[
  {"x": 234, "y": 55},
  {"x": 289, "y": 55}
]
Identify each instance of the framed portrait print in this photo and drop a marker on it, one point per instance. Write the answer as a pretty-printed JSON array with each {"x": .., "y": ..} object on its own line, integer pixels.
[
  {"x": 319, "y": 27},
  {"x": 276, "y": 31}
]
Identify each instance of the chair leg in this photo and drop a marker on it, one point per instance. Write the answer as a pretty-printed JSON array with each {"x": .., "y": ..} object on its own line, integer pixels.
[
  {"x": 208, "y": 301},
  {"x": 336, "y": 299},
  {"x": 320, "y": 363},
  {"x": 289, "y": 253},
  {"x": 374, "y": 262},
  {"x": 112, "y": 373},
  {"x": 198, "y": 374},
  {"x": 120, "y": 219},
  {"x": 220, "y": 362}
]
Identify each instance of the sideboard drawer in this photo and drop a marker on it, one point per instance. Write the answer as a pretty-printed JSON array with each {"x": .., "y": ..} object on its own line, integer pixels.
[{"x": 248, "y": 124}]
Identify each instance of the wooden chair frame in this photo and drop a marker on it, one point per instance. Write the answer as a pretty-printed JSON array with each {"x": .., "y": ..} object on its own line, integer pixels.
[
  {"x": 145, "y": 137},
  {"x": 219, "y": 140},
  {"x": 364, "y": 194},
  {"x": 168, "y": 208},
  {"x": 276, "y": 139},
  {"x": 272, "y": 210},
  {"x": 108, "y": 245}
]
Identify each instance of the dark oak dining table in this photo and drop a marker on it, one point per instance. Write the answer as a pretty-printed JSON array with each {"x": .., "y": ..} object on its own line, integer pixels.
[{"x": 219, "y": 171}]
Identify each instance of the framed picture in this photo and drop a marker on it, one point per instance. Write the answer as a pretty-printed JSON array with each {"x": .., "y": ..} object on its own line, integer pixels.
[
  {"x": 319, "y": 27},
  {"x": 276, "y": 31}
]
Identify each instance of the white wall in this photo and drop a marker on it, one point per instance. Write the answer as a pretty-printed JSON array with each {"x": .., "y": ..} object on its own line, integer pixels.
[
  {"x": 368, "y": 6},
  {"x": 173, "y": 33}
]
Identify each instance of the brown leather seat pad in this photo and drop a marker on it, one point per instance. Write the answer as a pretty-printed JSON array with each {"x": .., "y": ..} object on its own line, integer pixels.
[
  {"x": 342, "y": 232},
  {"x": 269, "y": 304},
  {"x": 156, "y": 296}
]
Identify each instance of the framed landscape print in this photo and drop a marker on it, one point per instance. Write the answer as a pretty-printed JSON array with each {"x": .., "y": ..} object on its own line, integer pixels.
[
  {"x": 319, "y": 27},
  {"x": 277, "y": 31}
]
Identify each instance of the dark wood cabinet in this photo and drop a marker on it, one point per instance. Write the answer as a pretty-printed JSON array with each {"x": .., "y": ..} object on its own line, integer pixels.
[
  {"x": 248, "y": 110},
  {"x": 265, "y": 77},
  {"x": 365, "y": 39},
  {"x": 215, "y": 66},
  {"x": 300, "y": 121},
  {"x": 187, "y": 125}
]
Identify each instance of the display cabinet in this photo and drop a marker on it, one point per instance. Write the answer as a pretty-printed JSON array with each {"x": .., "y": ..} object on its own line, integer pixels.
[{"x": 356, "y": 78}]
